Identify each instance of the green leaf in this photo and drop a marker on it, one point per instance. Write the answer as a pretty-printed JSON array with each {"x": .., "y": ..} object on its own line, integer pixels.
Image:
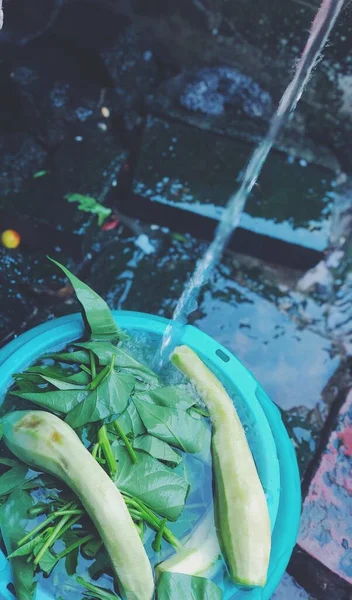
[
  {"x": 109, "y": 398},
  {"x": 157, "y": 448},
  {"x": 47, "y": 562},
  {"x": 176, "y": 427},
  {"x": 156, "y": 485},
  {"x": 16, "y": 477},
  {"x": 80, "y": 378},
  {"x": 96, "y": 311},
  {"x": 25, "y": 385},
  {"x": 72, "y": 541},
  {"x": 96, "y": 592},
  {"x": 41, "y": 480},
  {"x": 50, "y": 370},
  {"x": 55, "y": 371},
  {"x": 105, "y": 351},
  {"x": 174, "y": 396},
  {"x": 58, "y": 376},
  {"x": 1, "y": 430},
  {"x": 131, "y": 422},
  {"x": 60, "y": 384},
  {"x": 13, "y": 523},
  {"x": 25, "y": 549},
  {"x": 174, "y": 586},
  {"x": 102, "y": 564},
  {"x": 90, "y": 205},
  {"x": 78, "y": 357},
  {"x": 10, "y": 462},
  {"x": 61, "y": 401},
  {"x": 39, "y": 174},
  {"x": 71, "y": 562},
  {"x": 90, "y": 549}
]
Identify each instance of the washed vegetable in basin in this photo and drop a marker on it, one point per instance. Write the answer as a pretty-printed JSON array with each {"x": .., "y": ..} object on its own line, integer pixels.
[{"x": 109, "y": 469}]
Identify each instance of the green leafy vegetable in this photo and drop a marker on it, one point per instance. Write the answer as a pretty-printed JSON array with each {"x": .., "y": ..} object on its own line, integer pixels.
[
  {"x": 10, "y": 462},
  {"x": 125, "y": 440},
  {"x": 55, "y": 371},
  {"x": 131, "y": 422},
  {"x": 176, "y": 427},
  {"x": 97, "y": 313},
  {"x": 156, "y": 485},
  {"x": 60, "y": 401},
  {"x": 109, "y": 398},
  {"x": 97, "y": 593},
  {"x": 174, "y": 586},
  {"x": 39, "y": 174},
  {"x": 47, "y": 562},
  {"x": 61, "y": 384},
  {"x": 90, "y": 205},
  {"x": 102, "y": 563},
  {"x": 71, "y": 562},
  {"x": 105, "y": 351},
  {"x": 157, "y": 448},
  {"x": 173, "y": 396},
  {"x": 26, "y": 386},
  {"x": 77, "y": 357},
  {"x": 58, "y": 374},
  {"x": 13, "y": 523},
  {"x": 15, "y": 478}
]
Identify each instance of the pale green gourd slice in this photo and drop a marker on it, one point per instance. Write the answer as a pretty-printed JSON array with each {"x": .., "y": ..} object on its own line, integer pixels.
[{"x": 241, "y": 511}]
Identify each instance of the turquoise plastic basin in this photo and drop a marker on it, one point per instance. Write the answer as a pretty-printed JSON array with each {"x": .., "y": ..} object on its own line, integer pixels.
[{"x": 272, "y": 449}]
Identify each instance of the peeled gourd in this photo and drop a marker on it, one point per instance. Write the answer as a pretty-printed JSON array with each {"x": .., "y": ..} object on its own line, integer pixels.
[
  {"x": 46, "y": 443},
  {"x": 241, "y": 511}
]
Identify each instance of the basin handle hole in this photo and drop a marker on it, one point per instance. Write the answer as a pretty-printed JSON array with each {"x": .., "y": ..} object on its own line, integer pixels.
[{"x": 222, "y": 355}]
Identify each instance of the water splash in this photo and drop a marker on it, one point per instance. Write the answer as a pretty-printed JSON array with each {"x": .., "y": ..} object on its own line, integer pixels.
[{"x": 321, "y": 27}]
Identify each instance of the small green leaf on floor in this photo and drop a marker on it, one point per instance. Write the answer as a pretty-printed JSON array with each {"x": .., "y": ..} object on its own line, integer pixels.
[
  {"x": 39, "y": 174},
  {"x": 90, "y": 205}
]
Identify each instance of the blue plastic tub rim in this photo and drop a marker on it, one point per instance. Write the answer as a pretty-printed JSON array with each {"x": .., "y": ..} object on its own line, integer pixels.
[{"x": 278, "y": 466}]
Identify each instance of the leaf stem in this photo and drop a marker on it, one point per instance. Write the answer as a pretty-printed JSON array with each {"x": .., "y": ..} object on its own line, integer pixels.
[
  {"x": 69, "y": 524},
  {"x": 92, "y": 365},
  {"x": 153, "y": 521},
  {"x": 37, "y": 529},
  {"x": 70, "y": 509},
  {"x": 95, "y": 450},
  {"x": 200, "y": 411},
  {"x": 107, "y": 451},
  {"x": 85, "y": 369},
  {"x": 51, "y": 539},
  {"x": 126, "y": 441},
  {"x": 156, "y": 545},
  {"x": 96, "y": 590},
  {"x": 75, "y": 545},
  {"x": 99, "y": 378},
  {"x": 36, "y": 511}
]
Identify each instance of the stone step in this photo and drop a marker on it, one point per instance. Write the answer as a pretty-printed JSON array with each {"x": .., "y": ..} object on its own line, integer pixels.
[{"x": 184, "y": 177}]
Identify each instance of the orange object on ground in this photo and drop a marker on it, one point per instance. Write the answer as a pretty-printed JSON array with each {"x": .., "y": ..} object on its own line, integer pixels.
[{"x": 10, "y": 238}]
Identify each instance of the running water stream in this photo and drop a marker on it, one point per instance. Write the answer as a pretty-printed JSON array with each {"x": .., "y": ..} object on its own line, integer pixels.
[{"x": 321, "y": 27}]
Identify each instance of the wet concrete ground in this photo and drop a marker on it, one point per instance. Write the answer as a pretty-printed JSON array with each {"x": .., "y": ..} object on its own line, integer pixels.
[{"x": 159, "y": 136}]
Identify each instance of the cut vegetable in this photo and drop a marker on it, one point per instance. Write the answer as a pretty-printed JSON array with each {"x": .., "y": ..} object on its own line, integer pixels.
[
  {"x": 242, "y": 516},
  {"x": 200, "y": 552},
  {"x": 45, "y": 442}
]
